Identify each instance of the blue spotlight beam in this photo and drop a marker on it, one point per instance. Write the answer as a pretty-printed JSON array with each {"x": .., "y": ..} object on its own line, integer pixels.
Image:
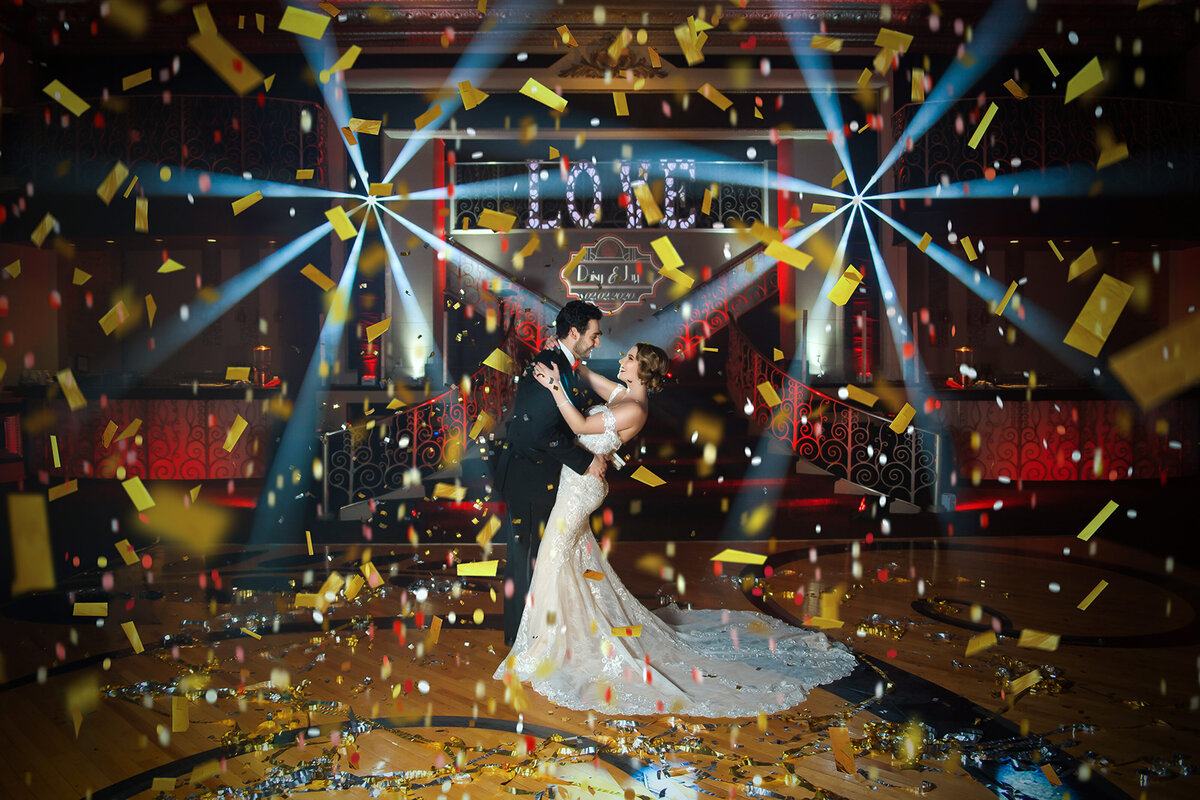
[
  {"x": 1037, "y": 324},
  {"x": 187, "y": 181},
  {"x": 322, "y": 54},
  {"x": 1000, "y": 27},
  {"x": 201, "y": 314},
  {"x": 291, "y": 469},
  {"x": 411, "y": 306}
]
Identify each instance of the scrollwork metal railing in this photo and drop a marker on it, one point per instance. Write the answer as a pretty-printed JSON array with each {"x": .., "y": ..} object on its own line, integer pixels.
[{"x": 843, "y": 440}]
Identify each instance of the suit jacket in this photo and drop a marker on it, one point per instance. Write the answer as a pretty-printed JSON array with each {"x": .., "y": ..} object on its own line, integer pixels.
[{"x": 539, "y": 441}]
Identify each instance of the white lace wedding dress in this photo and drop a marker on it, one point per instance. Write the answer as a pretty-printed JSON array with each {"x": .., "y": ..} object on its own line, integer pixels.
[{"x": 704, "y": 663}]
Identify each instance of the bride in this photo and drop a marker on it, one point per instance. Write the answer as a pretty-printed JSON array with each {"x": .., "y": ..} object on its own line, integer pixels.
[{"x": 585, "y": 642}]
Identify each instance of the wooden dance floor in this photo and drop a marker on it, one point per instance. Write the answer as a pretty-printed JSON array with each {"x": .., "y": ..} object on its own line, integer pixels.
[{"x": 241, "y": 693}]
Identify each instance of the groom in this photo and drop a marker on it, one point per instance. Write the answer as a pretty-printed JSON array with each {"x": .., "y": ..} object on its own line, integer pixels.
[{"x": 538, "y": 443}]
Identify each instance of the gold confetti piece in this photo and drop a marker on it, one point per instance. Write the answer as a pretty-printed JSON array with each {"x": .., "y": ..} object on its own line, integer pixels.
[
  {"x": 825, "y": 622},
  {"x": 500, "y": 361},
  {"x": 130, "y": 430},
  {"x": 90, "y": 610},
  {"x": 776, "y": 354},
  {"x": 348, "y": 135},
  {"x": 826, "y": 43},
  {"x": 304, "y": 23},
  {"x": 706, "y": 205},
  {"x": 630, "y": 631},
  {"x": 1051, "y": 775},
  {"x": 1046, "y": 57},
  {"x": 179, "y": 714},
  {"x": 449, "y": 491},
  {"x": 126, "y": 551},
  {"x": 141, "y": 214},
  {"x": 980, "y": 642},
  {"x": 70, "y": 389},
  {"x": 428, "y": 117},
  {"x": 1054, "y": 248},
  {"x": 969, "y": 248},
  {"x": 484, "y": 422},
  {"x": 1087, "y": 78},
  {"x": 788, "y": 255},
  {"x": 346, "y": 61},
  {"x": 900, "y": 424},
  {"x": 565, "y": 36},
  {"x": 1092, "y": 595},
  {"x": 54, "y": 450},
  {"x": 769, "y": 394},
  {"x": 225, "y": 60},
  {"x": 304, "y": 174},
  {"x": 843, "y": 750},
  {"x": 1038, "y": 640},
  {"x": 489, "y": 529},
  {"x": 63, "y": 489},
  {"x": 342, "y": 225},
  {"x": 209, "y": 769},
  {"x": 823, "y": 208},
  {"x": 983, "y": 126},
  {"x": 593, "y": 575},
  {"x": 108, "y": 189},
  {"x": 109, "y": 432},
  {"x": 162, "y": 784},
  {"x": 195, "y": 492},
  {"x": 135, "y": 641},
  {"x": 918, "y": 88},
  {"x": 714, "y": 96},
  {"x": 666, "y": 253},
  {"x": 367, "y": 126},
  {"x": 837, "y": 179},
  {"x": 1112, "y": 155},
  {"x": 1012, "y": 287},
  {"x": 1162, "y": 365},
  {"x": 129, "y": 188},
  {"x": 655, "y": 60},
  {"x": 171, "y": 265},
  {"x": 29, "y": 529},
  {"x": 136, "y": 79},
  {"x": 319, "y": 278},
  {"x": 330, "y": 9},
  {"x": 114, "y": 318},
  {"x": 860, "y": 395},
  {"x": 1086, "y": 261},
  {"x": 71, "y": 101},
  {"x": 682, "y": 278},
  {"x": 864, "y": 77},
  {"x": 1147, "y": 3},
  {"x": 235, "y": 433},
  {"x": 926, "y": 240},
  {"x": 621, "y": 104},
  {"x": 645, "y": 199},
  {"x": 739, "y": 557},
  {"x": 1027, "y": 680},
  {"x": 237, "y": 373},
  {"x": 243, "y": 203},
  {"x": 260, "y": 21},
  {"x": 42, "y": 231},
  {"x": 893, "y": 40},
  {"x": 1099, "y": 315},
  {"x": 378, "y": 329},
  {"x": 381, "y": 189},
  {"x": 478, "y": 569},
  {"x": 1098, "y": 520},
  {"x": 845, "y": 287},
  {"x": 472, "y": 97},
  {"x": 643, "y": 475},
  {"x": 535, "y": 90},
  {"x": 1015, "y": 90},
  {"x": 435, "y": 631},
  {"x": 13, "y": 269},
  {"x": 496, "y": 220},
  {"x": 137, "y": 493},
  {"x": 250, "y": 633}
]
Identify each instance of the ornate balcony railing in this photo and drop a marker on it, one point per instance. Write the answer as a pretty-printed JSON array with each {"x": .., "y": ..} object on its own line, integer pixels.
[
  {"x": 472, "y": 281},
  {"x": 372, "y": 457},
  {"x": 1041, "y": 133},
  {"x": 269, "y": 139},
  {"x": 843, "y": 440}
]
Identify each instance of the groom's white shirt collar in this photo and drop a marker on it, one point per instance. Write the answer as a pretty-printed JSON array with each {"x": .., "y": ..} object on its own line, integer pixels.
[{"x": 571, "y": 357}]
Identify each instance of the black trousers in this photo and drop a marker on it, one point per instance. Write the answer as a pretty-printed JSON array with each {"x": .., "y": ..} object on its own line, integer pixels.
[{"x": 524, "y": 523}]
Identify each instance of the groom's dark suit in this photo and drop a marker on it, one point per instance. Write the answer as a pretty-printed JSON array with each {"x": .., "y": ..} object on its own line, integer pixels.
[{"x": 538, "y": 443}]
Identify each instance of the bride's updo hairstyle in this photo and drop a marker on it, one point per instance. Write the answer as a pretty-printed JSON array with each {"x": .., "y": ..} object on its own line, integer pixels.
[{"x": 652, "y": 366}]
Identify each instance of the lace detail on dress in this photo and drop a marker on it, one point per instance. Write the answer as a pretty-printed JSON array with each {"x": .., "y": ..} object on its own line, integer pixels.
[{"x": 704, "y": 663}]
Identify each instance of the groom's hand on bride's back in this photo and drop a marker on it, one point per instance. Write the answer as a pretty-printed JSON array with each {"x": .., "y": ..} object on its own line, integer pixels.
[{"x": 598, "y": 466}]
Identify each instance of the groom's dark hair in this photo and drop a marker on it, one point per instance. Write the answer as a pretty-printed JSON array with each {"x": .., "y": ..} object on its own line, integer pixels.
[{"x": 575, "y": 314}]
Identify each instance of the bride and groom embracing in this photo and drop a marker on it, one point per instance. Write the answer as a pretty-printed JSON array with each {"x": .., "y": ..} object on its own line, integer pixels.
[{"x": 578, "y": 636}]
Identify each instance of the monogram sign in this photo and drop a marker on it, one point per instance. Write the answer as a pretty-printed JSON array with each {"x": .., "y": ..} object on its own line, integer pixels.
[{"x": 611, "y": 274}]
